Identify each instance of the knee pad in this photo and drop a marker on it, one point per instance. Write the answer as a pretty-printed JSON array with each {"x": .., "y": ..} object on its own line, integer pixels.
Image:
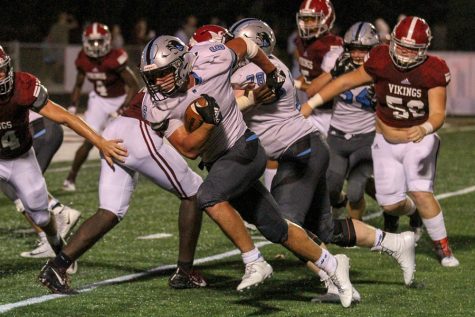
[
  {"x": 344, "y": 233},
  {"x": 40, "y": 218},
  {"x": 206, "y": 196}
]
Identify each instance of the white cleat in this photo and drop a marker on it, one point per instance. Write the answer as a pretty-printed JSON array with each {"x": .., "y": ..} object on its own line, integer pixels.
[
  {"x": 332, "y": 295},
  {"x": 256, "y": 273},
  {"x": 449, "y": 261},
  {"x": 43, "y": 250},
  {"x": 69, "y": 186},
  {"x": 341, "y": 280},
  {"x": 66, "y": 218},
  {"x": 402, "y": 248}
]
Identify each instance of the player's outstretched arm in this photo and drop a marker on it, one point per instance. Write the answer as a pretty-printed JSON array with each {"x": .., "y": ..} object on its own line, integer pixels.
[
  {"x": 350, "y": 80},
  {"x": 315, "y": 86},
  {"x": 111, "y": 149}
]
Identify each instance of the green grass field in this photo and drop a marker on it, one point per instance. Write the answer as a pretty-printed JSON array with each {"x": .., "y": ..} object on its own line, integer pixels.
[{"x": 446, "y": 292}]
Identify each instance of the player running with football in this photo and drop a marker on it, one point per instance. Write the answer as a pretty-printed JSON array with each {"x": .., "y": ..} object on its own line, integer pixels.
[
  {"x": 114, "y": 86},
  {"x": 19, "y": 93},
  {"x": 231, "y": 153},
  {"x": 410, "y": 88}
]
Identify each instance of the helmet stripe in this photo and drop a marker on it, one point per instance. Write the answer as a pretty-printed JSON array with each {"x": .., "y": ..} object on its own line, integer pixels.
[
  {"x": 412, "y": 27},
  {"x": 307, "y": 5},
  {"x": 147, "y": 54},
  {"x": 94, "y": 29},
  {"x": 360, "y": 27}
]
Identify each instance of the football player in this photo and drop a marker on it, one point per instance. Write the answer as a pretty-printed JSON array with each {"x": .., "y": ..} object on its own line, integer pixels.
[
  {"x": 47, "y": 138},
  {"x": 318, "y": 49},
  {"x": 114, "y": 86},
  {"x": 299, "y": 186},
  {"x": 157, "y": 161},
  {"x": 19, "y": 93},
  {"x": 410, "y": 88},
  {"x": 232, "y": 154}
]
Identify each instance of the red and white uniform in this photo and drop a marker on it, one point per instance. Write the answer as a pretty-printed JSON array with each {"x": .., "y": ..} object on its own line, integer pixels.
[
  {"x": 315, "y": 57},
  {"x": 18, "y": 164},
  {"x": 402, "y": 102},
  {"x": 147, "y": 155},
  {"x": 109, "y": 87}
]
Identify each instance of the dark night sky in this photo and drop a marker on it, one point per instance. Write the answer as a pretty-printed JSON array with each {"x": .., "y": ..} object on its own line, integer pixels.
[{"x": 29, "y": 20}]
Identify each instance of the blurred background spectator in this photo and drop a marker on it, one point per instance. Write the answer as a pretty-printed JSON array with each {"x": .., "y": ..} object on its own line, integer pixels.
[{"x": 187, "y": 28}]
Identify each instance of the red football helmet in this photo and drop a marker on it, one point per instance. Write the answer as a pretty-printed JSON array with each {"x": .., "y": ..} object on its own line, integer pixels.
[
  {"x": 212, "y": 33},
  {"x": 96, "y": 40},
  {"x": 6, "y": 73},
  {"x": 315, "y": 18},
  {"x": 410, "y": 40}
]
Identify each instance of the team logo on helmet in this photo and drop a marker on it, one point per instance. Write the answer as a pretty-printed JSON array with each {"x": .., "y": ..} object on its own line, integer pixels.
[
  {"x": 175, "y": 45},
  {"x": 264, "y": 38}
]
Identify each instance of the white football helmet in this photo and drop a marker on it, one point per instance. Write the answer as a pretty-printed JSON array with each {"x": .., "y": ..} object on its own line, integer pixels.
[
  {"x": 6, "y": 83},
  {"x": 161, "y": 56},
  {"x": 256, "y": 30}
]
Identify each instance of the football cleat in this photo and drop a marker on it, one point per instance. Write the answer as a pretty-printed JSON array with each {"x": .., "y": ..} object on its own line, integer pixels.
[
  {"x": 341, "y": 279},
  {"x": 55, "y": 278},
  {"x": 43, "y": 250},
  {"x": 66, "y": 218},
  {"x": 402, "y": 248},
  {"x": 444, "y": 253},
  {"x": 181, "y": 279},
  {"x": 256, "y": 273},
  {"x": 69, "y": 186},
  {"x": 415, "y": 221},
  {"x": 332, "y": 295}
]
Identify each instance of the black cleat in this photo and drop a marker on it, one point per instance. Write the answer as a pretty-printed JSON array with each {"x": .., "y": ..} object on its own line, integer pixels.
[
  {"x": 56, "y": 279},
  {"x": 391, "y": 223},
  {"x": 181, "y": 279}
]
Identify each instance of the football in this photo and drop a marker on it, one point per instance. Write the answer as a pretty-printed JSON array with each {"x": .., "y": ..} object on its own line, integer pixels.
[{"x": 193, "y": 119}]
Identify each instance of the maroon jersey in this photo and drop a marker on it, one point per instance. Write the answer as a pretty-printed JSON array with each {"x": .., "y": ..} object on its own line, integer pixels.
[
  {"x": 402, "y": 96},
  {"x": 311, "y": 54},
  {"x": 15, "y": 135},
  {"x": 134, "y": 109},
  {"x": 104, "y": 72}
]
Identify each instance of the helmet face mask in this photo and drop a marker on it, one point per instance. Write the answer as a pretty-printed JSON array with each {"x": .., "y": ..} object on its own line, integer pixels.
[
  {"x": 165, "y": 66},
  {"x": 360, "y": 37},
  {"x": 96, "y": 40},
  {"x": 257, "y": 31},
  {"x": 6, "y": 82},
  {"x": 315, "y": 18},
  {"x": 410, "y": 40}
]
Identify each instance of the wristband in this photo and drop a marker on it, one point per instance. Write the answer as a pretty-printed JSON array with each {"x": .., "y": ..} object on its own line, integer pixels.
[
  {"x": 315, "y": 101},
  {"x": 427, "y": 126},
  {"x": 245, "y": 101}
]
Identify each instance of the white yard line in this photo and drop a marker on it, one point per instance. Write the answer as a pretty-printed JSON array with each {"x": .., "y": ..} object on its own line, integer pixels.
[{"x": 125, "y": 278}]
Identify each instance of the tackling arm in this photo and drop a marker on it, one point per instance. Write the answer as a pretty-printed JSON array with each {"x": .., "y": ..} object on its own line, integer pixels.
[
  {"x": 316, "y": 85},
  {"x": 111, "y": 149}
]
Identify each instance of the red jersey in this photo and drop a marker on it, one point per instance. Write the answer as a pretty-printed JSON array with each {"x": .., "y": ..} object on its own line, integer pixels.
[
  {"x": 15, "y": 135},
  {"x": 104, "y": 72},
  {"x": 402, "y": 96},
  {"x": 134, "y": 109},
  {"x": 311, "y": 54}
]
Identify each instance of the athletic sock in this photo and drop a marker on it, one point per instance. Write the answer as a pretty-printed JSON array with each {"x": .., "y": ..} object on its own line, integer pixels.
[
  {"x": 327, "y": 262},
  {"x": 251, "y": 256}
]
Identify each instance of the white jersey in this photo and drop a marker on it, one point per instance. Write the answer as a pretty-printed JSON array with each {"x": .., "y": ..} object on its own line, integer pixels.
[
  {"x": 353, "y": 111},
  {"x": 280, "y": 124},
  {"x": 212, "y": 72}
]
